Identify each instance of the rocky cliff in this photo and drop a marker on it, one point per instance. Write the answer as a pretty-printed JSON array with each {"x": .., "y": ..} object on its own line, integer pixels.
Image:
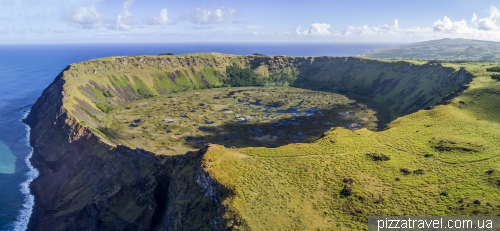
[
  {"x": 90, "y": 182},
  {"x": 86, "y": 184}
]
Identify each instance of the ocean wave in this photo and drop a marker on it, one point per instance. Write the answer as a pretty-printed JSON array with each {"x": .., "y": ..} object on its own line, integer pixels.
[{"x": 22, "y": 220}]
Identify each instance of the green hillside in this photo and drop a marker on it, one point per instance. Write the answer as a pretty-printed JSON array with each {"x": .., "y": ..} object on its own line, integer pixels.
[
  {"x": 96, "y": 87},
  {"x": 443, "y": 49},
  {"x": 443, "y": 161},
  {"x": 437, "y": 156}
]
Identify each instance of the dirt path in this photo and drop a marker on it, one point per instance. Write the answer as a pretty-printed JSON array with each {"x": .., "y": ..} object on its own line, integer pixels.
[
  {"x": 369, "y": 147},
  {"x": 447, "y": 162}
]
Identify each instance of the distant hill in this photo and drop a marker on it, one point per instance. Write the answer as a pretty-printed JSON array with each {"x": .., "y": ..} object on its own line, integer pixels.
[{"x": 443, "y": 49}]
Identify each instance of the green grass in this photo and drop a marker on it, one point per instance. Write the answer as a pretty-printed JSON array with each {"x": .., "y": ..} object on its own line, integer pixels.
[
  {"x": 458, "y": 50},
  {"x": 91, "y": 115},
  {"x": 104, "y": 108},
  {"x": 297, "y": 187},
  {"x": 163, "y": 128}
]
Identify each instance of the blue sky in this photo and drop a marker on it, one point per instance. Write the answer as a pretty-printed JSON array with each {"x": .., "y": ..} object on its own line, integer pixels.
[{"x": 103, "y": 21}]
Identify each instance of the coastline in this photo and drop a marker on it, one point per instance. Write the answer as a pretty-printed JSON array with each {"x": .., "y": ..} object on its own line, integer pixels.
[
  {"x": 24, "y": 216},
  {"x": 38, "y": 71}
]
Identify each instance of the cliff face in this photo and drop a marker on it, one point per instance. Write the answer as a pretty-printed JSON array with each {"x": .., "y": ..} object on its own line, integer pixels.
[{"x": 88, "y": 182}]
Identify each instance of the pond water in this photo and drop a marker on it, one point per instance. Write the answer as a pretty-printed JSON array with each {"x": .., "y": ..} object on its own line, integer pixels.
[{"x": 234, "y": 117}]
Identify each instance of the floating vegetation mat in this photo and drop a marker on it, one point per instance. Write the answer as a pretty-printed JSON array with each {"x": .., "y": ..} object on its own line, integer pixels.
[{"x": 234, "y": 117}]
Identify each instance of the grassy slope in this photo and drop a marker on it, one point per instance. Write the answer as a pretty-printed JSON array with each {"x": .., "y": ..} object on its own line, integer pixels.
[
  {"x": 297, "y": 187},
  {"x": 131, "y": 78},
  {"x": 443, "y": 49},
  {"x": 95, "y": 87},
  {"x": 402, "y": 86}
]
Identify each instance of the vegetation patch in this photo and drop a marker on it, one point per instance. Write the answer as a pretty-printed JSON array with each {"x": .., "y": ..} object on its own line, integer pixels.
[
  {"x": 235, "y": 117},
  {"x": 104, "y": 108},
  {"x": 239, "y": 77},
  {"x": 405, "y": 171},
  {"x": 450, "y": 50},
  {"x": 107, "y": 94},
  {"x": 291, "y": 184},
  {"x": 431, "y": 186},
  {"x": 91, "y": 115},
  {"x": 493, "y": 69},
  {"x": 378, "y": 157}
]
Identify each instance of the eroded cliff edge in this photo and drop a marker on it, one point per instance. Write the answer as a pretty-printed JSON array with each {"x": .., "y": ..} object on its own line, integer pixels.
[
  {"x": 86, "y": 184},
  {"x": 89, "y": 182}
]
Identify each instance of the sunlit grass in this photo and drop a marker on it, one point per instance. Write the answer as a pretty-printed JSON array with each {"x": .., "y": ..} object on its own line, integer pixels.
[
  {"x": 298, "y": 186},
  {"x": 441, "y": 160},
  {"x": 176, "y": 123}
]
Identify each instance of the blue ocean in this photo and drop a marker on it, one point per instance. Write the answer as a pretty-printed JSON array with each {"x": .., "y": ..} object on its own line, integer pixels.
[{"x": 25, "y": 70}]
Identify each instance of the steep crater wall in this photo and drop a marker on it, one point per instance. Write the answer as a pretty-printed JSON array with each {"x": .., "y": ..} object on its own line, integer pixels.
[
  {"x": 90, "y": 182},
  {"x": 95, "y": 87}
]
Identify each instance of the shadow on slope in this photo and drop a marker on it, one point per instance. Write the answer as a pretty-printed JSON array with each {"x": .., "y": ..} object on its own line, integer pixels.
[
  {"x": 301, "y": 128},
  {"x": 482, "y": 103}
]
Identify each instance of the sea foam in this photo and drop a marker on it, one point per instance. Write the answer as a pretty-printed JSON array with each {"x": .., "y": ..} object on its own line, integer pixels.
[{"x": 22, "y": 220}]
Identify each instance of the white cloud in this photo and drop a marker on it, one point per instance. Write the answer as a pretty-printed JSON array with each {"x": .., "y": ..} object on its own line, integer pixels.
[
  {"x": 379, "y": 31},
  {"x": 251, "y": 27},
  {"x": 484, "y": 28},
  {"x": 449, "y": 26},
  {"x": 27, "y": 15},
  {"x": 480, "y": 28},
  {"x": 204, "y": 16},
  {"x": 315, "y": 29},
  {"x": 86, "y": 17},
  {"x": 34, "y": 31},
  {"x": 394, "y": 26},
  {"x": 162, "y": 18},
  {"x": 126, "y": 5},
  {"x": 123, "y": 20},
  {"x": 489, "y": 23}
]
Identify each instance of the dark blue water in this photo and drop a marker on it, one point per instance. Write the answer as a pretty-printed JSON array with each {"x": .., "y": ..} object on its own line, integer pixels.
[{"x": 25, "y": 70}]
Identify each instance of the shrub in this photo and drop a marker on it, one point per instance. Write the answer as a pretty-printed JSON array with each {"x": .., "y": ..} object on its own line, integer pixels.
[
  {"x": 444, "y": 193},
  {"x": 379, "y": 200},
  {"x": 496, "y": 76},
  {"x": 379, "y": 157},
  {"x": 348, "y": 180},
  {"x": 144, "y": 93},
  {"x": 104, "y": 108},
  {"x": 418, "y": 172},
  {"x": 428, "y": 155},
  {"x": 405, "y": 171},
  {"x": 259, "y": 54},
  {"x": 347, "y": 190},
  {"x": 237, "y": 76},
  {"x": 107, "y": 94},
  {"x": 493, "y": 69}
]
